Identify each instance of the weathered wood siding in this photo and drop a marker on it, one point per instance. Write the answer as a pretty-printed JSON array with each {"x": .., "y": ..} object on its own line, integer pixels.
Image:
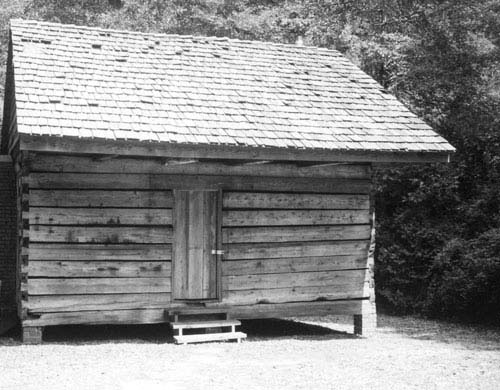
[
  {"x": 95, "y": 246},
  {"x": 92, "y": 248},
  {"x": 294, "y": 246},
  {"x": 100, "y": 236}
]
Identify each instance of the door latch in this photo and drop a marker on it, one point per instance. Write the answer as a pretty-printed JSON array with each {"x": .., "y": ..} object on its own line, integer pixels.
[{"x": 217, "y": 252}]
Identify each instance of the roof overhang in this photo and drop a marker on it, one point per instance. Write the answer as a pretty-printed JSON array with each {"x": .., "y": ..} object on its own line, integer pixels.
[{"x": 75, "y": 145}]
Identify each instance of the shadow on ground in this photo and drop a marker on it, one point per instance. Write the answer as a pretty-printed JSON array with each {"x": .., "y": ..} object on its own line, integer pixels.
[
  {"x": 278, "y": 328},
  {"x": 313, "y": 328},
  {"x": 153, "y": 333},
  {"x": 264, "y": 329}
]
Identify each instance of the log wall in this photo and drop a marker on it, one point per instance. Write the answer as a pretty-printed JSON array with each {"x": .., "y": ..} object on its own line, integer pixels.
[
  {"x": 293, "y": 247},
  {"x": 98, "y": 249},
  {"x": 100, "y": 237}
]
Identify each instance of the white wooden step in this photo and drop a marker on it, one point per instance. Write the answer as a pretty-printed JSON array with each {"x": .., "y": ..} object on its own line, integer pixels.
[
  {"x": 204, "y": 324},
  {"x": 200, "y": 338},
  {"x": 198, "y": 310}
]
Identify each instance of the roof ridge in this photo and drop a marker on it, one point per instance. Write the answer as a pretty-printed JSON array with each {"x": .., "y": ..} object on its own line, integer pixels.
[{"x": 158, "y": 34}]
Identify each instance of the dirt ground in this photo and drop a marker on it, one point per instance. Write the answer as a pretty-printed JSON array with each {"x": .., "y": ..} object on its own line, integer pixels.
[{"x": 317, "y": 353}]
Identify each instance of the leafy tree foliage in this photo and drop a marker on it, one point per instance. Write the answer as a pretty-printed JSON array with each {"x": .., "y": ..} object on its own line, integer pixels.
[
  {"x": 438, "y": 225},
  {"x": 464, "y": 279},
  {"x": 84, "y": 12}
]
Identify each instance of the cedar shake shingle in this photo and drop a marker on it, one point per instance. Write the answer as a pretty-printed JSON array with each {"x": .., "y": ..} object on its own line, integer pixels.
[{"x": 95, "y": 83}]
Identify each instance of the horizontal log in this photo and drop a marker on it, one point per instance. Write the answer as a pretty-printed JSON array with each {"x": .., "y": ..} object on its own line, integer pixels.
[
  {"x": 97, "y": 216},
  {"x": 294, "y": 217},
  {"x": 297, "y": 309},
  {"x": 101, "y": 234},
  {"x": 101, "y": 302},
  {"x": 294, "y": 233},
  {"x": 295, "y": 249},
  {"x": 167, "y": 182},
  {"x": 148, "y": 316},
  {"x": 203, "y": 151},
  {"x": 98, "y": 286},
  {"x": 70, "y": 252},
  {"x": 266, "y": 200},
  {"x": 98, "y": 198},
  {"x": 99, "y": 317},
  {"x": 293, "y": 279},
  {"x": 83, "y": 164},
  {"x": 293, "y": 294},
  {"x": 293, "y": 264},
  {"x": 99, "y": 269}
]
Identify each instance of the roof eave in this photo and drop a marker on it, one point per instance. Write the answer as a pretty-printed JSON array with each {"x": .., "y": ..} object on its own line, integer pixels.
[{"x": 75, "y": 145}]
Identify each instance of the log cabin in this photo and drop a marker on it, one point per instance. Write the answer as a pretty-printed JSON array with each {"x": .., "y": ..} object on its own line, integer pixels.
[{"x": 165, "y": 178}]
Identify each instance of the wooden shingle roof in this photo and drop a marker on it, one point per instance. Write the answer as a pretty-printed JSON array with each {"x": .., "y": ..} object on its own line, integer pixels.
[{"x": 74, "y": 81}]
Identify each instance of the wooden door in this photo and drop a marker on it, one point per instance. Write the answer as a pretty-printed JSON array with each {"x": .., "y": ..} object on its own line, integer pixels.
[{"x": 196, "y": 240}]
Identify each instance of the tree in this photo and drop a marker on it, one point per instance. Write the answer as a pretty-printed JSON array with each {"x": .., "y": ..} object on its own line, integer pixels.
[{"x": 81, "y": 12}]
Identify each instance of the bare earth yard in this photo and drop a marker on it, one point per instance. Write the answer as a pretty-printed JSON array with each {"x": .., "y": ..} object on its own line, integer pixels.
[{"x": 406, "y": 353}]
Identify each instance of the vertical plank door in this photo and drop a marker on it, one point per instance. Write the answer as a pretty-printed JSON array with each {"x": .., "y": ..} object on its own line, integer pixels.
[{"x": 194, "y": 273}]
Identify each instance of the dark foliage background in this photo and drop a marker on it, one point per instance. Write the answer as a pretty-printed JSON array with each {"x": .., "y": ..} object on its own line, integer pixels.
[{"x": 438, "y": 225}]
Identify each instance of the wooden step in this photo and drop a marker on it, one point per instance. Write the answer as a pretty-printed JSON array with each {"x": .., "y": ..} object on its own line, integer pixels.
[
  {"x": 200, "y": 338},
  {"x": 198, "y": 310},
  {"x": 204, "y": 324}
]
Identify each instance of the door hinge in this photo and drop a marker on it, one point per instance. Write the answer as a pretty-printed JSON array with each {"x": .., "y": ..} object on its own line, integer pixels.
[{"x": 217, "y": 252}]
